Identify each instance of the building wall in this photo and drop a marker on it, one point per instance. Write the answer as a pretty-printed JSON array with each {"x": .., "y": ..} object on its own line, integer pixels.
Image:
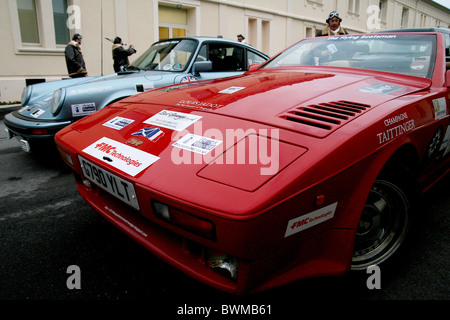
[{"x": 268, "y": 25}]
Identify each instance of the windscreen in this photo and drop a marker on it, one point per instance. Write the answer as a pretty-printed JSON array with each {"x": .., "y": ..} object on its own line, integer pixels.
[
  {"x": 171, "y": 55},
  {"x": 408, "y": 54}
]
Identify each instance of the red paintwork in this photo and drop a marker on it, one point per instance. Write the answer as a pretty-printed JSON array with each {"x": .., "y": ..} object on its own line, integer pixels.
[{"x": 251, "y": 211}]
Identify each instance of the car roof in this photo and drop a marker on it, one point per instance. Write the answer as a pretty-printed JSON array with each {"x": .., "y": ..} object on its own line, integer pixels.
[
  {"x": 435, "y": 29},
  {"x": 205, "y": 38},
  {"x": 222, "y": 40}
]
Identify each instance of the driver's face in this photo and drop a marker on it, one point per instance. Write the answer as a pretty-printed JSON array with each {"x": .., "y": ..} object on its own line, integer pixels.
[{"x": 334, "y": 23}]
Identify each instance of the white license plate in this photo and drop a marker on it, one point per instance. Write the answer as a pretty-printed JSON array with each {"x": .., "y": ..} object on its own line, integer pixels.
[{"x": 116, "y": 186}]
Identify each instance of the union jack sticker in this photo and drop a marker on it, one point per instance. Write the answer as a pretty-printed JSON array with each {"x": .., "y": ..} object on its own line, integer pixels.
[{"x": 188, "y": 79}]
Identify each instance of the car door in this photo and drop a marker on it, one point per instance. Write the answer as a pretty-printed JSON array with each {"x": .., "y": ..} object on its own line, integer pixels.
[{"x": 227, "y": 60}]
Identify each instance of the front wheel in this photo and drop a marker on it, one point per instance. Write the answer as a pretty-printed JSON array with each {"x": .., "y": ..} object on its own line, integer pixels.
[{"x": 383, "y": 225}]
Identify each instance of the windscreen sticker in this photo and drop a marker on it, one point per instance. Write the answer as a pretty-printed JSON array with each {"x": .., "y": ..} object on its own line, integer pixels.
[
  {"x": 332, "y": 48},
  {"x": 152, "y": 134},
  {"x": 231, "y": 90},
  {"x": 173, "y": 120},
  {"x": 311, "y": 219},
  {"x": 418, "y": 63},
  {"x": 380, "y": 88},
  {"x": 118, "y": 123},
  {"x": 440, "y": 108},
  {"x": 122, "y": 157},
  {"x": 84, "y": 109},
  {"x": 197, "y": 144},
  {"x": 37, "y": 113}
]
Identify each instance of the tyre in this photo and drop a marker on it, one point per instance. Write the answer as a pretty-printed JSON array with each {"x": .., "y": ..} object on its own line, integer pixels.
[{"x": 383, "y": 225}]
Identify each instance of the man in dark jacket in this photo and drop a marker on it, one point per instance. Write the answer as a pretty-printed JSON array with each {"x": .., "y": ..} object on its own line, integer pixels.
[
  {"x": 74, "y": 58},
  {"x": 334, "y": 26},
  {"x": 120, "y": 55}
]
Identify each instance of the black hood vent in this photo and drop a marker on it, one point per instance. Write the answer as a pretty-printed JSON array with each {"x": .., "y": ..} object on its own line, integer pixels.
[{"x": 326, "y": 116}]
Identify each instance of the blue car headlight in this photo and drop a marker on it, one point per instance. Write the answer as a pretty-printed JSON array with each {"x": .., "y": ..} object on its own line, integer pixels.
[
  {"x": 26, "y": 94},
  {"x": 57, "y": 100}
]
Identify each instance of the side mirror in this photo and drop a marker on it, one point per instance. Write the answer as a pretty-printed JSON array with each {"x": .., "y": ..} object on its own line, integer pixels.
[
  {"x": 253, "y": 67},
  {"x": 202, "y": 66}
]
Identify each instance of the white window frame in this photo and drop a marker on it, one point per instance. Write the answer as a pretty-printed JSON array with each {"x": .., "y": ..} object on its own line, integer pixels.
[
  {"x": 193, "y": 23},
  {"x": 259, "y": 40},
  {"x": 171, "y": 26},
  {"x": 46, "y": 26},
  {"x": 353, "y": 7}
]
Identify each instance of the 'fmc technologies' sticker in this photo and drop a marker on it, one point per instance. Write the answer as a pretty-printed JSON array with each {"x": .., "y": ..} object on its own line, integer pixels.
[
  {"x": 311, "y": 219},
  {"x": 122, "y": 157}
]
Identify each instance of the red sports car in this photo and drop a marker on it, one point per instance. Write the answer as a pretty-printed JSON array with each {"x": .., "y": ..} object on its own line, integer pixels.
[{"x": 307, "y": 165}]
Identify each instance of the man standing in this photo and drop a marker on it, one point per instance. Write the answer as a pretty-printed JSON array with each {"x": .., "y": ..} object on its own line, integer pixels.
[
  {"x": 74, "y": 58},
  {"x": 334, "y": 26},
  {"x": 120, "y": 55}
]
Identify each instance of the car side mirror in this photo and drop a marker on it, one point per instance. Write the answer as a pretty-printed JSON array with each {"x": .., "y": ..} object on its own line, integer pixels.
[
  {"x": 253, "y": 67},
  {"x": 202, "y": 66}
]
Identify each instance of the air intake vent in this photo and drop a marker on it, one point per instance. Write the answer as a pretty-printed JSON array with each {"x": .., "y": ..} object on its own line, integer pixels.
[{"x": 326, "y": 116}]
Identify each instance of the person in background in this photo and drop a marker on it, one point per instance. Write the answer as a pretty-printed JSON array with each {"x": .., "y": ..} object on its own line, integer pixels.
[
  {"x": 76, "y": 66},
  {"x": 333, "y": 27},
  {"x": 241, "y": 38},
  {"x": 120, "y": 55}
]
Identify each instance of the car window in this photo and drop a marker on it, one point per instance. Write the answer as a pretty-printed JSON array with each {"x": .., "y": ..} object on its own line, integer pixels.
[
  {"x": 254, "y": 58},
  {"x": 405, "y": 54},
  {"x": 224, "y": 57},
  {"x": 171, "y": 55}
]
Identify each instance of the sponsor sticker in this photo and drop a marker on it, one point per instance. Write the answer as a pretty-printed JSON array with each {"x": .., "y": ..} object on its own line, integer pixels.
[
  {"x": 440, "y": 108},
  {"x": 152, "y": 134},
  {"x": 311, "y": 219},
  {"x": 37, "y": 113},
  {"x": 173, "y": 120},
  {"x": 90, "y": 90},
  {"x": 142, "y": 87},
  {"x": 84, "y": 109},
  {"x": 231, "y": 90},
  {"x": 122, "y": 157},
  {"x": 135, "y": 142},
  {"x": 399, "y": 125},
  {"x": 199, "y": 104},
  {"x": 197, "y": 144},
  {"x": 118, "y": 123}
]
